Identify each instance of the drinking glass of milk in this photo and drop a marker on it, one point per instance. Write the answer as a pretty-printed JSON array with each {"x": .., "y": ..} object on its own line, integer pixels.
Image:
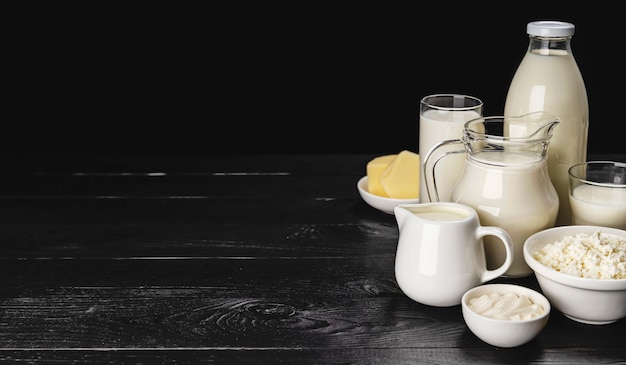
[
  {"x": 442, "y": 117},
  {"x": 597, "y": 193}
]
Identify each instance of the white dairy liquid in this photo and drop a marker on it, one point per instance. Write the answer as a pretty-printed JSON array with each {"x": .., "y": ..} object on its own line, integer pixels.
[
  {"x": 437, "y": 126},
  {"x": 442, "y": 215},
  {"x": 599, "y": 206},
  {"x": 518, "y": 198},
  {"x": 553, "y": 83}
]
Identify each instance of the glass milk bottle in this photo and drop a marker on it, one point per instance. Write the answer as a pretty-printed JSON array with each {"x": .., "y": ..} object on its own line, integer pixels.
[{"x": 548, "y": 79}]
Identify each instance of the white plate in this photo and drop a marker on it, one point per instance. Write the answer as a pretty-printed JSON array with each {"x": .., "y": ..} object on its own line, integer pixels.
[{"x": 381, "y": 203}]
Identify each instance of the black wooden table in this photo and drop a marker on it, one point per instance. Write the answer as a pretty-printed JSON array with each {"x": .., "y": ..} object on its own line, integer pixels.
[{"x": 227, "y": 259}]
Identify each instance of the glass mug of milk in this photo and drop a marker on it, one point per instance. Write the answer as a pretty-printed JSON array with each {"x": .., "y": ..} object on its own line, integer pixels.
[
  {"x": 441, "y": 118},
  {"x": 597, "y": 193}
]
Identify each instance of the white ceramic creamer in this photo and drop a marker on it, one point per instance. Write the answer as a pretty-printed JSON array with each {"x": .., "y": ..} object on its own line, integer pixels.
[
  {"x": 440, "y": 252},
  {"x": 548, "y": 79}
]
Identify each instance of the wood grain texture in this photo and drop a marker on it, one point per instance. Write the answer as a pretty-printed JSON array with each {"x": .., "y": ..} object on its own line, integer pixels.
[{"x": 113, "y": 264}]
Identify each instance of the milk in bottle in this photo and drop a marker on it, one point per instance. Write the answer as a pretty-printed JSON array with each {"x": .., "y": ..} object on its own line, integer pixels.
[{"x": 548, "y": 79}]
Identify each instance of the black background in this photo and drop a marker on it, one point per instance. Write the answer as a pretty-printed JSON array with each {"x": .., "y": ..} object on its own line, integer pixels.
[{"x": 291, "y": 79}]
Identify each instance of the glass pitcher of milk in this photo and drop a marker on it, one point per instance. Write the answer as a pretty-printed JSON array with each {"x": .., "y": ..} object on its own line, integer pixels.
[{"x": 505, "y": 179}]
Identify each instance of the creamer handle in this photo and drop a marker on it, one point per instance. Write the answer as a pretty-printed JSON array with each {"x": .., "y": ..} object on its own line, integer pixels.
[{"x": 507, "y": 241}]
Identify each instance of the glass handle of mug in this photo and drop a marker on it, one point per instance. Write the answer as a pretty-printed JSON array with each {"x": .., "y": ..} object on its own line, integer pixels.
[{"x": 426, "y": 170}]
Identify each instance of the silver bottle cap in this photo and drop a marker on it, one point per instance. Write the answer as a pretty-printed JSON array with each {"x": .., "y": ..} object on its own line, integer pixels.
[{"x": 549, "y": 28}]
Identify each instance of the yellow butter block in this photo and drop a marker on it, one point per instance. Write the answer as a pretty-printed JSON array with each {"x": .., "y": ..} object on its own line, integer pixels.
[
  {"x": 375, "y": 169},
  {"x": 401, "y": 178}
]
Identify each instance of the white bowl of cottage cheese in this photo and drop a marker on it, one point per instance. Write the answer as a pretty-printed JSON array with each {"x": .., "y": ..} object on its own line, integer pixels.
[{"x": 581, "y": 270}]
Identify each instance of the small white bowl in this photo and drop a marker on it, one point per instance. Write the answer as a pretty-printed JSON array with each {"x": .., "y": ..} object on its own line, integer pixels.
[
  {"x": 585, "y": 300},
  {"x": 379, "y": 202},
  {"x": 504, "y": 332}
]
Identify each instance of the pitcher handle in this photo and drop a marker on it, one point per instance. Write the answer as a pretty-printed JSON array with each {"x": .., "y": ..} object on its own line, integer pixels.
[{"x": 432, "y": 174}]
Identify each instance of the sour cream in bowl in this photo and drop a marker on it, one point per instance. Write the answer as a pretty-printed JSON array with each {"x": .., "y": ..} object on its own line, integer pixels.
[{"x": 505, "y": 315}]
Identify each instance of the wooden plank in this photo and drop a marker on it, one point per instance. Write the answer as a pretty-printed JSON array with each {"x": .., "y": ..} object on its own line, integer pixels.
[
  {"x": 296, "y": 164},
  {"x": 244, "y": 185},
  {"x": 208, "y": 239},
  {"x": 240, "y": 304},
  {"x": 303, "y": 356},
  {"x": 323, "y": 209}
]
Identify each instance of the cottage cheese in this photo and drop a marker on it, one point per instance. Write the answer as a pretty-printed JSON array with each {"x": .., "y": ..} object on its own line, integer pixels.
[{"x": 594, "y": 256}]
